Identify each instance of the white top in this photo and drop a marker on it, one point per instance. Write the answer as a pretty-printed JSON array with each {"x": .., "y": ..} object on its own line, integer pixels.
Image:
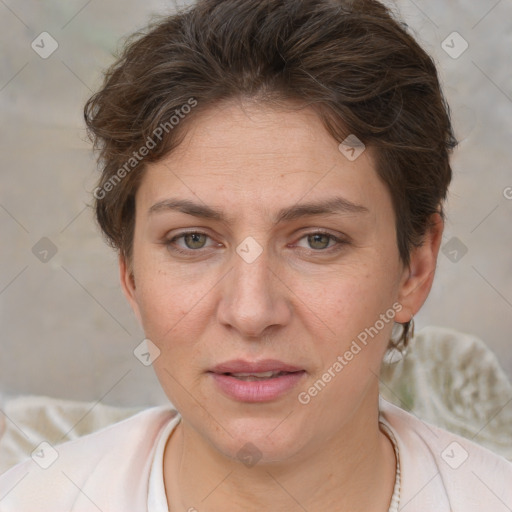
[
  {"x": 157, "y": 499},
  {"x": 120, "y": 468},
  {"x": 395, "y": 498}
]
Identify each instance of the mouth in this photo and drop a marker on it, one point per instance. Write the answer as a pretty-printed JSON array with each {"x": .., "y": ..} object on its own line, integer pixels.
[
  {"x": 262, "y": 368},
  {"x": 256, "y": 382},
  {"x": 252, "y": 377}
]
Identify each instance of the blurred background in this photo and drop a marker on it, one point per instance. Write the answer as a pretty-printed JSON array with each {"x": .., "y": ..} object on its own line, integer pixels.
[{"x": 66, "y": 329}]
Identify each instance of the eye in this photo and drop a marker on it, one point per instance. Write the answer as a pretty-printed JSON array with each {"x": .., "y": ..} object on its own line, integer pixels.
[
  {"x": 319, "y": 241},
  {"x": 193, "y": 240}
]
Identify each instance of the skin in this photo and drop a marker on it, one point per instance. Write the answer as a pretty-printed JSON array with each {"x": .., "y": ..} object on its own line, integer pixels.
[{"x": 296, "y": 302}]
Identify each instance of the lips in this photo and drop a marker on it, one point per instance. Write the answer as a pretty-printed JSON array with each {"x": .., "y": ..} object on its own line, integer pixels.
[
  {"x": 260, "y": 381},
  {"x": 249, "y": 377},
  {"x": 242, "y": 368}
]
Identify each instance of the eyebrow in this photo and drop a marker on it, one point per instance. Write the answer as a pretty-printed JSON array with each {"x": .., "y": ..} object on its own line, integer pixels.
[{"x": 331, "y": 206}]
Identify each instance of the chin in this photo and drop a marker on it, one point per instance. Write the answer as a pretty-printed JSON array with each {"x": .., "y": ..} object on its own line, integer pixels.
[{"x": 259, "y": 440}]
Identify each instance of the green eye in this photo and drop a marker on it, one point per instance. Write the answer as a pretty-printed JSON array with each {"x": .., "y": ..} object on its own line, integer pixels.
[
  {"x": 194, "y": 240},
  {"x": 319, "y": 241},
  {"x": 188, "y": 243}
]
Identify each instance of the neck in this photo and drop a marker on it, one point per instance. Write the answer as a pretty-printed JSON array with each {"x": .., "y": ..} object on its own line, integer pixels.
[{"x": 332, "y": 474}]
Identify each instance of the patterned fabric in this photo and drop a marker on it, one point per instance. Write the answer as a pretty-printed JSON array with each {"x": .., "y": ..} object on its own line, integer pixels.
[{"x": 454, "y": 381}]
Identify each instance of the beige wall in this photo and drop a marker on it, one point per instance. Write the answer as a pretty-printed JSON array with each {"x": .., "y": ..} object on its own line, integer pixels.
[{"x": 66, "y": 329}]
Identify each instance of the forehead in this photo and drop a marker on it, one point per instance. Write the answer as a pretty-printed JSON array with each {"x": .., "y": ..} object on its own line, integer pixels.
[
  {"x": 256, "y": 134},
  {"x": 253, "y": 155}
]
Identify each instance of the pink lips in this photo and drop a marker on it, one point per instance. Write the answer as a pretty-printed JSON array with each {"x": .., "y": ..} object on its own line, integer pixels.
[
  {"x": 266, "y": 365},
  {"x": 260, "y": 390}
]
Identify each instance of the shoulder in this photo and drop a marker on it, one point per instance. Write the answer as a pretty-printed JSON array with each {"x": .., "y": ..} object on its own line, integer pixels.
[
  {"x": 446, "y": 471},
  {"x": 109, "y": 468}
]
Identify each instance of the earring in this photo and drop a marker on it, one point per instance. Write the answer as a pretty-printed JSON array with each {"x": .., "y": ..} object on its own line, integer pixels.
[
  {"x": 397, "y": 350},
  {"x": 407, "y": 335}
]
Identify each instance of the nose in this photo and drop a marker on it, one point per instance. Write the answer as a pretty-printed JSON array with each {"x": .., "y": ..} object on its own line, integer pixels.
[{"x": 254, "y": 298}]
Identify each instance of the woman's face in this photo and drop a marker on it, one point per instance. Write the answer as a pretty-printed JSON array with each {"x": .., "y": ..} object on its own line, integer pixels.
[{"x": 269, "y": 276}]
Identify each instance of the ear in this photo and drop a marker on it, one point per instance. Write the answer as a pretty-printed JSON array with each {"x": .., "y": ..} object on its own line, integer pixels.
[
  {"x": 128, "y": 284},
  {"x": 417, "y": 278}
]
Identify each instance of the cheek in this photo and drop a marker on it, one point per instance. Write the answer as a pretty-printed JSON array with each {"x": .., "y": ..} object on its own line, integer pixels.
[
  {"x": 161, "y": 311},
  {"x": 351, "y": 315},
  {"x": 176, "y": 315},
  {"x": 349, "y": 361},
  {"x": 167, "y": 297},
  {"x": 350, "y": 297}
]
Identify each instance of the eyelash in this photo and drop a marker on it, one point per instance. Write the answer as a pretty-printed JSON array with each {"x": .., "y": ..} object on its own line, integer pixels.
[{"x": 339, "y": 243}]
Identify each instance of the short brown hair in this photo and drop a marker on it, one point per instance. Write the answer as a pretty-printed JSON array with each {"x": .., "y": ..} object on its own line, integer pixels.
[{"x": 351, "y": 61}]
